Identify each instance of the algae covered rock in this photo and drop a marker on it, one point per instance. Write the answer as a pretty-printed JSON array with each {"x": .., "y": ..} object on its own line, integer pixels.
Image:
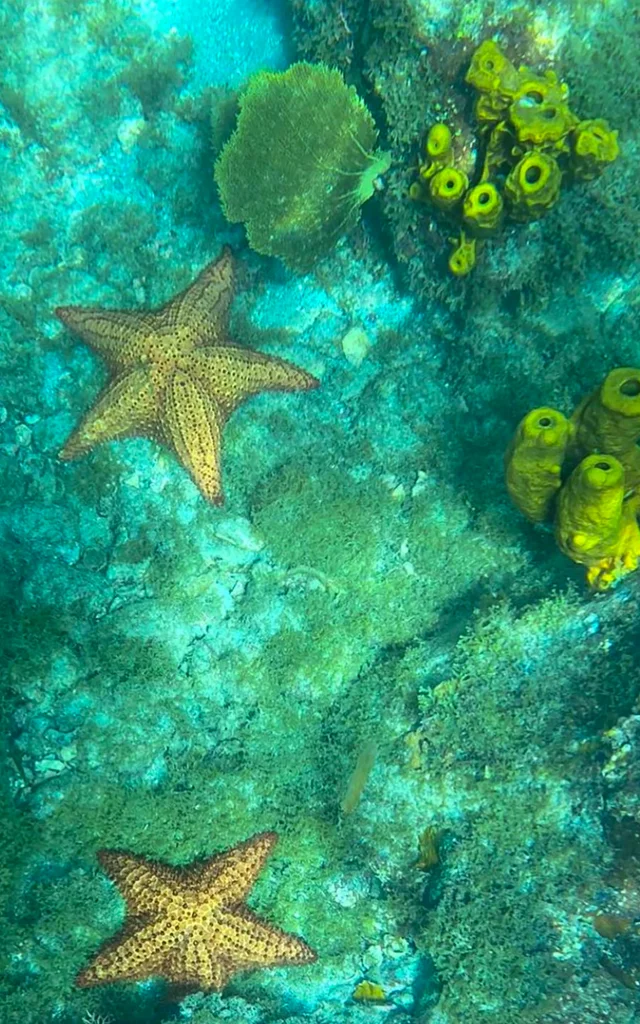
[{"x": 300, "y": 163}]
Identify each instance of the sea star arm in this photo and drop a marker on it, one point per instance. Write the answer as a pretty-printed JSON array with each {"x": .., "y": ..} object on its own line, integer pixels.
[
  {"x": 192, "y": 425},
  {"x": 250, "y": 942},
  {"x": 126, "y": 408},
  {"x": 197, "y": 965},
  {"x": 107, "y": 331},
  {"x": 237, "y": 942},
  {"x": 203, "y": 307},
  {"x": 232, "y": 374},
  {"x": 235, "y": 871},
  {"x": 144, "y": 884},
  {"x": 138, "y": 951}
]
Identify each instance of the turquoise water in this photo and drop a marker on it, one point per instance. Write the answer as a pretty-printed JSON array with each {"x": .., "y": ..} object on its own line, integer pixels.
[{"x": 272, "y": 601}]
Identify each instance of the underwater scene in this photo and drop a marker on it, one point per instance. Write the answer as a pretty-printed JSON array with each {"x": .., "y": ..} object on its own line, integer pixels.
[{"x": 320, "y": 512}]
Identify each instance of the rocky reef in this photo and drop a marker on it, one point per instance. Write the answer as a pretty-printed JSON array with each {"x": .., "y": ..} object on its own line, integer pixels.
[{"x": 366, "y": 650}]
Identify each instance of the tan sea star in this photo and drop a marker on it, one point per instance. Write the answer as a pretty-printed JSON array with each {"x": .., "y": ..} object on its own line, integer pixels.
[
  {"x": 176, "y": 377},
  {"x": 191, "y": 925}
]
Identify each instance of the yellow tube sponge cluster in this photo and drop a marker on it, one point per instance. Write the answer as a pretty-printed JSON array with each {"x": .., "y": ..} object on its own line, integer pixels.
[
  {"x": 529, "y": 143},
  {"x": 583, "y": 474}
]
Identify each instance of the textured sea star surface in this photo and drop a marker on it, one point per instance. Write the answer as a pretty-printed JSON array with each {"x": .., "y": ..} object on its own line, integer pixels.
[
  {"x": 174, "y": 374},
  {"x": 190, "y": 925}
]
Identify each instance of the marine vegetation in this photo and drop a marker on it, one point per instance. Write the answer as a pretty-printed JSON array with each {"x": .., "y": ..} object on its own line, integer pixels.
[
  {"x": 176, "y": 377},
  {"x": 300, "y": 163},
  {"x": 583, "y": 475},
  {"x": 368, "y": 992},
  {"x": 530, "y": 143}
]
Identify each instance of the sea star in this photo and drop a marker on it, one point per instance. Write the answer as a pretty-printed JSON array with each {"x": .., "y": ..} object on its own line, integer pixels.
[
  {"x": 175, "y": 376},
  {"x": 191, "y": 925}
]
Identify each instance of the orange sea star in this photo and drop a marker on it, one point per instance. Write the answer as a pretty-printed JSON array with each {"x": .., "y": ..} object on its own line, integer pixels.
[
  {"x": 175, "y": 375},
  {"x": 190, "y": 925}
]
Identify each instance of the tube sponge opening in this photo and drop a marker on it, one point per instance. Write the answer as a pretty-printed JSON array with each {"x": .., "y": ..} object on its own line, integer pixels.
[
  {"x": 300, "y": 163},
  {"x": 594, "y": 524},
  {"x": 533, "y": 462},
  {"x": 609, "y": 420}
]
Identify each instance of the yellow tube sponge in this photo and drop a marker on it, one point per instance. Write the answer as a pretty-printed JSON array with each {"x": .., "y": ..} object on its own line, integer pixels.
[
  {"x": 482, "y": 209},
  {"x": 438, "y": 145},
  {"x": 539, "y": 113},
  {"x": 594, "y": 525},
  {"x": 595, "y": 146},
  {"x": 491, "y": 71},
  {"x": 533, "y": 462},
  {"x": 609, "y": 421},
  {"x": 533, "y": 186},
  {"x": 463, "y": 258},
  {"x": 447, "y": 188}
]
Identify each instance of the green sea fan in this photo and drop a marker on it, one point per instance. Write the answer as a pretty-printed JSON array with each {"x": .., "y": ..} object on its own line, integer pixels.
[{"x": 300, "y": 163}]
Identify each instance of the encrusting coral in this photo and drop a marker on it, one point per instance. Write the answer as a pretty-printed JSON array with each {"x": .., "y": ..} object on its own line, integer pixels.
[
  {"x": 300, "y": 163},
  {"x": 531, "y": 142},
  {"x": 176, "y": 376},
  {"x": 584, "y": 474},
  {"x": 190, "y": 925}
]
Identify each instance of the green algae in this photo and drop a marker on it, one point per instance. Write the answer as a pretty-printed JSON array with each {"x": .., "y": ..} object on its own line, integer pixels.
[
  {"x": 340, "y": 546},
  {"x": 367, "y": 548},
  {"x": 121, "y": 233},
  {"x": 154, "y": 75},
  {"x": 518, "y": 850},
  {"x": 25, "y": 115},
  {"x": 101, "y": 101}
]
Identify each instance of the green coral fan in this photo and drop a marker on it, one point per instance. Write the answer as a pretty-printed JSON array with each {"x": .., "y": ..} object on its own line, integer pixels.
[
  {"x": 530, "y": 143},
  {"x": 300, "y": 163},
  {"x": 584, "y": 474}
]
